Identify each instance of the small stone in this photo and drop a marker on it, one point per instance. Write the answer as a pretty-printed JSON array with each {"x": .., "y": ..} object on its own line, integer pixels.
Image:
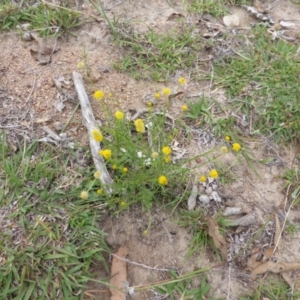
[
  {"x": 208, "y": 190},
  {"x": 216, "y": 196},
  {"x": 58, "y": 126},
  {"x": 204, "y": 199}
]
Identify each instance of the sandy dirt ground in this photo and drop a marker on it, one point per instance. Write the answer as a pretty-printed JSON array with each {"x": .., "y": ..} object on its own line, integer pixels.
[{"x": 28, "y": 99}]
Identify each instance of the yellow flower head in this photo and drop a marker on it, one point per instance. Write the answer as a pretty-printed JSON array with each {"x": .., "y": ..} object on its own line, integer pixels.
[
  {"x": 110, "y": 95},
  {"x": 98, "y": 95},
  {"x": 139, "y": 125},
  {"x": 84, "y": 195},
  {"x": 184, "y": 107},
  {"x": 166, "y": 150},
  {"x": 213, "y": 173},
  {"x": 145, "y": 232},
  {"x": 224, "y": 149},
  {"x": 182, "y": 80},
  {"x": 119, "y": 115},
  {"x": 97, "y": 135},
  {"x": 106, "y": 153},
  {"x": 115, "y": 167},
  {"x": 166, "y": 91},
  {"x": 125, "y": 170},
  {"x": 163, "y": 180},
  {"x": 227, "y": 138},
  {"x": 123, "y": 204},
  {"x": 97, "y": 175},
  {"x": 155, "y": 155},
  {"x": 202, "y": 178},
  {"x": 236, "y": 147},
  {"x": 80, "y": 65},
  {"x": 157, "y": 95},
  {"x": 99, "y": 192},
  {"x": 149, "y": 104},
  {"x": 167, "y": 159}
]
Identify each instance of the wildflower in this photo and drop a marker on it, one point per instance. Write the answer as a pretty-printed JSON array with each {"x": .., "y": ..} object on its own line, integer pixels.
[
  {"x": 155, "y": 155},
  {"x": 224, "y": 149},
  {"x": 80, "y": 65},
  {"x": 84, "y": 195},
  {"x": 119, "y": 115},
  {"x": 166, "y": 150},
  {"x": 157, "y": 96},
  {"x": 110, "y": 95},
  {"x": 182, "y": 80},
  {"x": 236, "y": 147},
  {"x": 106, "y": 153},
  {"x": 213, "y": 174},
  {"x": 145, "y": 232},
  {"x": 184, "y": 107},
  {"x": 98, "y": 95},
  {"x": 125, "y": 170},
  {"x": 97, "y": 175},
  {"x": 115, "y": 167},
  {"x": 167, "y": 158},
  {"x": 123, "y": 204},
  {"x": 166, "y": 91},
  {"x": 139, "y": 125},
  {"x": 97, "y": 135},
  {"x": 163, "y": 180},
  {"x": 99, "y": 192},
  {"x": 202, "y": 178},
  {"x": 227, "y": 138}
]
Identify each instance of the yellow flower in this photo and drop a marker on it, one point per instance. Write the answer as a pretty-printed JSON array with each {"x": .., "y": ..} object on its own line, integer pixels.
[
  {"x": 166, "y": 150},
  {"x": 84, "y": 195},
  {"x": 145, "y": 232},
  {"x": 202, "y": 178},
  {"x": 115, "y": 167},
  {"x": 80, "y": 65},
  {"x": 213, "y": 173},
  {"x": 227, "y": 138},
  {"x": 98, "y": 95},
  {"x": 166, "y": 91},
  {"x": 110, "y": 95},
  {"x": 167, "y": 158},
  {"x": 149, "y": 104},
  {"x": 106, "y": 153},
  {"x": 123, "y": 204},
  {"x": 157, "y": 95},
  {"x": 181, "y": 80},
  {"x": 119, "y": 115},
  {"x": 163, "y": 180},
  {"x": 139, "y": 125},
  {"x": 155, "y": 155},
  {"x": 184, "y": 107},
  {"x": 236, "y": 147},
  {"x": 125, "y": 170},
  {"x": 97, "y": 175},
  {"x": 99, "y": 192},
  {"x": 97, "y": 135},
  {"x": 224, "y": 149}
]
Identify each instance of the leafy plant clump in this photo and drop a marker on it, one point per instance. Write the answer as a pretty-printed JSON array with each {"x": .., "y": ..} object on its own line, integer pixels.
[
  {"x": 266, "y": 78},
  {"x": 48, "y": 21},
  {"x": 49, "y": 236}
]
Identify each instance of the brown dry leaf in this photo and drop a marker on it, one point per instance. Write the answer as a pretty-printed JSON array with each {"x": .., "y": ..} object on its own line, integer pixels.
[
  {"x": 274, "y": 267},
  {"x": 277, "y": 232},
  {"x": 42, "y": 52},
  {"x": 219, "y": 240},
  {"x": 119, "y": 274}
]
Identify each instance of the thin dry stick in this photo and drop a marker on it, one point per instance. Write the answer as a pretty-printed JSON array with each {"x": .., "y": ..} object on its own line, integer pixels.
[
  {"x": 286, "y": 215},
  {"x": 141, "y": 265}
]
